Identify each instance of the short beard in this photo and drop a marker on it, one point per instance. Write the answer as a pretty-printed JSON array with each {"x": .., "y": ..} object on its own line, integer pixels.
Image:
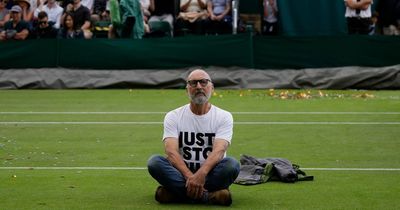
[{"x": 200, "y": 99}]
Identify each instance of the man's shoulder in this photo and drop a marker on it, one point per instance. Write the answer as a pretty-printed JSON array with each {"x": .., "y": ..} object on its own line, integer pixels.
[
  {"x": 8, "y": 25},
  {"x": 221, "y": 111},
  {"x": 82, "y": 9},
  {"x": 179, "y": 109},
  {"x": 21, "y": 25},
  {"x": 57, "y": 8}
]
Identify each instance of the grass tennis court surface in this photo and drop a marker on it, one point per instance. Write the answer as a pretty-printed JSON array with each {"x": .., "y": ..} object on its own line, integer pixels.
[{"x": 87, "y": 149}]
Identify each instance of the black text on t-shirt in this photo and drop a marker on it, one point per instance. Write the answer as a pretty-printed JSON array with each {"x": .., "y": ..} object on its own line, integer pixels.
[{"x": 194, "y": 145}]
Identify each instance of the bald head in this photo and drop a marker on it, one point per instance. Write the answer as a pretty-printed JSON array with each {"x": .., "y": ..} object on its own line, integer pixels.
[{"x": 198, "y": 74}]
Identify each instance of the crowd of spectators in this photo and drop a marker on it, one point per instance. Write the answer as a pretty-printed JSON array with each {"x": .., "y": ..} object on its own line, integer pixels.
[{"x": 85, "y": 19}]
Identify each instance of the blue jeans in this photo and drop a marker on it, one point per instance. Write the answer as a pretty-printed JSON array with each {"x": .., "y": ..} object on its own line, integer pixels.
[{"x": 220, "y": 177}]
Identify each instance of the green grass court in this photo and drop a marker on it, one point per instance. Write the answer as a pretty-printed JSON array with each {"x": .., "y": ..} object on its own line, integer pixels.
[{"x": 92, "y": 147}]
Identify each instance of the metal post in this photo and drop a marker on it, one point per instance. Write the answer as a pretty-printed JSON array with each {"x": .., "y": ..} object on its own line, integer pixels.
[{"x": 235, "y": 14}]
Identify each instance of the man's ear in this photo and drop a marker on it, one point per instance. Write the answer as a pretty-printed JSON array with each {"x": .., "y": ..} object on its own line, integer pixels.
[{"x": 187, "y": 89}]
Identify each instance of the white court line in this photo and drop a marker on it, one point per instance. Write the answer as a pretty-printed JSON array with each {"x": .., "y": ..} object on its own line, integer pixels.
[
  {"x": 81, "y": 123},
  {"x": 235, "y": 123},
  {"x": 351, "y": 169},
  {"x": 72, "y": 168},
  {"x": 144, "y": 168},
  {"x": 318, "y": 113},
  {"x": 317, "y": 123},
  {"x": 238, "y": 113},
  {"x": 77, "y": 113}
]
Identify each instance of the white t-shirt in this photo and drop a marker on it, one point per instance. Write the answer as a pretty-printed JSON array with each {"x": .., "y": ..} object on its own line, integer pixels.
[
  {"x": 271, "y": 18},
  {"x": 196, "y": 133},
  {"x": 193, "y": 6},
  {"x": 88, "y": 4},
  {"x": 363, "y": 13},
  {"x": 54, "y": 14}
]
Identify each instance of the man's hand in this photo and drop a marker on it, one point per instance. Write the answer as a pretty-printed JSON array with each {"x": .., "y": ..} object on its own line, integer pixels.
[
  {"x": 3, "y": 35},
  {"x": 69, "y": 8},
  {"x": 195, "y": 185},
  {"x": 272, "y": 3},
  {"x": 219, "y": 17}
]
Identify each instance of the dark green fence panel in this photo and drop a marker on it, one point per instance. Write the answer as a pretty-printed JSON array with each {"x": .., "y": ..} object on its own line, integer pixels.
[
  {"x": 157, "y": 53},
  {"x": 28, "y": 54},
  {"x": 312, "y": 17},
  {"x": 223, "y": 50},
  {"x": 325, "y": 51}
]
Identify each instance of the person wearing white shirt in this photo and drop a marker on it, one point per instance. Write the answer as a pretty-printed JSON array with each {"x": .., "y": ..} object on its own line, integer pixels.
[
  {"x": 358, "y": 16},
  {"x": 192, "y": 17},
  {"x": 270, "y": 20},
  {"x": 196, "y": 138},
  {"x": 53, "y": 10}
]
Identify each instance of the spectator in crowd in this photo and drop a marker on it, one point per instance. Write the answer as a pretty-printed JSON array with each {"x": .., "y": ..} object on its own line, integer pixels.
[
  {"x": 192, "y": 17},
  {"x": 4, "y": 14},
  {"x": 196, "y": 138},
  {"x": 27, "y": 14},
  {"x": 53, "y": 11},
  {"x": 389, "y": 14},
  {"x": 100, "y": 12},
  {"x": 34, "y": 5},
  {"x": 44, "y": 28},
  {"x": 358, "y": 15},
  {"x": 69, "y": 30},
  {"x": 164, "y": 11},
  {"x": 270, "y": 18},
  {"x": 147, "y": 9},
  {"x": 16, "y": 28},
  {"x": 81, "y": 15},
  {"x": 131, "y": 25},
  {"x": 220, "y": 19}
]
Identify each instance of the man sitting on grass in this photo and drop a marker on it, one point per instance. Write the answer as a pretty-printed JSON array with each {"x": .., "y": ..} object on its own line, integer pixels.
[{"x": 196, "y": 138}]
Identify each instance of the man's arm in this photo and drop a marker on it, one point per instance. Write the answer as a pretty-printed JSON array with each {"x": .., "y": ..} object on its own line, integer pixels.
[
  {"x": 195, "y": 183},
  {"x": 172, "y": 151},
  {"x": 226, "y": 11},
  {"x": 185, "y": 6},
  {"x": 2, "y": 35},
  {"x": 202, "y": 4},
  {"x": 6, "y": 18},
  {"x": 57, "y": 24},
  {"x": 86, "y": 26},
  {"x": 22, "y": 35},
  {"x": 363, "y": 4},
  {"x": 152, "y": 6},
  {"x": 210, "y": 10}
]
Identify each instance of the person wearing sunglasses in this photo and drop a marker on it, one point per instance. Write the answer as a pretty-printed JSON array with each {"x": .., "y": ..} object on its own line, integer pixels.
[
  {"x": 196, "y": 138},
  {"x": 27, "y": 12},
  {"x": 44, "y": 29},
  {"x": 53, "y": 10}
]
